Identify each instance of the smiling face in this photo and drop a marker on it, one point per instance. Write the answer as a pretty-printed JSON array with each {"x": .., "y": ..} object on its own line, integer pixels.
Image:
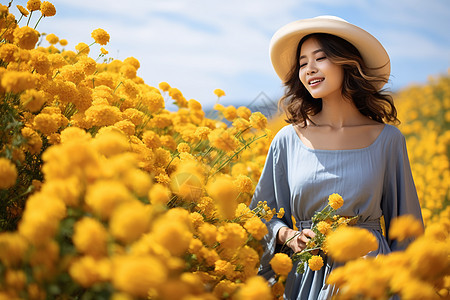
[{"x": 320, "y": 76}]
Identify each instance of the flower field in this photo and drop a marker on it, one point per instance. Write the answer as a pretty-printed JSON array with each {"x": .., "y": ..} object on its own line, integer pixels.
[{"x": 105, "y": 194}]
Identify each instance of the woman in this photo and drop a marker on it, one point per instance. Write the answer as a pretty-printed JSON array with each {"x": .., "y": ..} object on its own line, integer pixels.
[{"x": 337, "y": 142}]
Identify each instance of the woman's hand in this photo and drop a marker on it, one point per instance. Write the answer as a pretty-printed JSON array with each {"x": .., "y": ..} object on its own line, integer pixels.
[{"x": 296, "y": 240}]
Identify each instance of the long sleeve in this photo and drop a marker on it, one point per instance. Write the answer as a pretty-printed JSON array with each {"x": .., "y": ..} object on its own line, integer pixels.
[
  {"x": 399, "y": 194},
  {"x": 273, "y": 187}
]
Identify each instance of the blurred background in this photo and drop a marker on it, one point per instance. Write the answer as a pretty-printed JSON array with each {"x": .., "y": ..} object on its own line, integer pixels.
[{"x": 200, "y": 45}]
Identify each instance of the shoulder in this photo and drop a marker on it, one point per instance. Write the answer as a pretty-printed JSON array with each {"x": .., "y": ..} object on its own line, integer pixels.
[
  {"x": 393, "y": 134},
  {"x": 394, "y": 141},
  {"x": 283, "y": 136}
]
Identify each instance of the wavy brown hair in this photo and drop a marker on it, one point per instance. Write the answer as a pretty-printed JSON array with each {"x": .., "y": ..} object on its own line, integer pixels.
[{"x": 357, "y": 85}]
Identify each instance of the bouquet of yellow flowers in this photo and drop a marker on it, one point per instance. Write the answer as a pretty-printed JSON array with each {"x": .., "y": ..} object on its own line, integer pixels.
[{"x": 323, "y": 223}]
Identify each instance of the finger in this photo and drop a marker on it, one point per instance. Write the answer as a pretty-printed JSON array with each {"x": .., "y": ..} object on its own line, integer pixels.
[
  {"x": 309, "y": 233},
  {"x": 304, "y": 239}
]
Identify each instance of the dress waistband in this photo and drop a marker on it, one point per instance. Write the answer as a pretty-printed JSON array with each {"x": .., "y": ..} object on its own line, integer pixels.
[{"x": 369, "y": 224}]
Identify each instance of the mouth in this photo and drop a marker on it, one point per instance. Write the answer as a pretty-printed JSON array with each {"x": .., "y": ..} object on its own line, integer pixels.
[{"x": 315, "y": 81}]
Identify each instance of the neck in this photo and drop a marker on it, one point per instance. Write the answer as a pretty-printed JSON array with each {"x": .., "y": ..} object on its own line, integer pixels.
[{"x": 338, "y": 112}]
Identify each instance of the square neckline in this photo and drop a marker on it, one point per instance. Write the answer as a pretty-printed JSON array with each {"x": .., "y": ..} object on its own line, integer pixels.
[{"x": 338, "y": 150}]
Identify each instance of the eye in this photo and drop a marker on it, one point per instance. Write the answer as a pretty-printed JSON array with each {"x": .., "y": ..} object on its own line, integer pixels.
[
  {"x": 321, "y": 58},
  {"x": 302, "y": 65}
]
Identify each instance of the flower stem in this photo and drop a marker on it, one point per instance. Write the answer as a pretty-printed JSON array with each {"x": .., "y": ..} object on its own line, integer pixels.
[
  {"x": 29, "y": 18},
  {"x": 37, "y": 21},
  {"x": 236, "y": 153}
]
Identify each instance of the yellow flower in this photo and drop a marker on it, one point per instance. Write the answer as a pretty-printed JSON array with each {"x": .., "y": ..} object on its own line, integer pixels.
[
  {"x": 90, "y": 237},
  {"x": 223, "y": 140},
  {"x": 183, "y": 147},
  {"x": 47, "y": 9},
  {"x": 225, "y": 288},
  {"x": 281, "y": 264},
  {"x": 25, "y": 37},
  {"x": 224, "y": 193},
  {"x": 103, "y": 51},
  {"x": 187, "y": 180},
  {"x": 194, "y": 105},
  {"x": 244, "y": 184},
  {"x": 219, "y": 107},
  {"x": 196, "y": 219},
  {"x": 208, "y": 233},
  {"x": 52, "y": 38},
  {"x": 40, "y": 62},
  {"x": 15, "y": 279},
  {"x": 323, "y": 227},
  {"x": 8, "y": 173},
  {"x": 248, "y": 257},
  {"x": 103, "y": 115},
  {"x": 126, "y": 127},
  {"x": 335, "y": 201},
  {"x": 68, "y": 189},
  {"x": 129, "y": 221},
  {"x": 151, "y": 139},
  {"x": 8, "y": 52},
  {"x": 255, "y": 288},
  {"x": 315, "y": 262},
  {"x": 258, "y": 120},
  {"x": 136, "y": 275},
  {"x": 244, "y": 112},
  {"x": 231, "y": 235},
  {"x": 23, "y": 10},
  {"x": 280, "y": 213},
  {"x": 230, "y": 113},
  {"x": 17, "y": 81},
  {"x": 100, "y": 36},
  {"x": 34, "y": 141},
  {"x": 105, "y": 195},
  {"x": 133, "y": 115},
  {"x": 63, "y": 42},
  {"x": 347, "y": 243},
  {"x": 110, "y": 142},
  {"x": 82, "y": 48},
  {"x": 405, "y": 227},
  {"x": 164, "y": 86},
  {"x": 33, "y": 5},
  {"x": 428, "y": 257},
  {"x": 173, "y": 234},
  {"x": 74, "y": 134},
  {"x": 47, "y": 123},
  {"x": 41, "y": 218},
  {"x": 85, "y": 271},
  {"x": 243, "y": 212},
  {"x": 206, "y": 206},
  {"x": 224, "y": 268},
  {"x": 12, "y": 248},
  {"x": 159, "y": 194},
  {"x": 256, "y": 228},
  {"x": 133, "y": 62},
  {"x": 219, "y": 93}
]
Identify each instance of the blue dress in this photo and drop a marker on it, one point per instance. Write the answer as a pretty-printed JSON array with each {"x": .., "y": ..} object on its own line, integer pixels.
[{"x": 374, "y": 181}]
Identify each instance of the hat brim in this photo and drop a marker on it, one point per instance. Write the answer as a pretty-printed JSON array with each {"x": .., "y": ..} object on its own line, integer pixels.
[{"x": 284, "y": 43}]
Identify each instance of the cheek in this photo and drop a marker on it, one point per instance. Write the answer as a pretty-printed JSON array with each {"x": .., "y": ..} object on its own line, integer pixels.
[{"x": 302, "y": 77}]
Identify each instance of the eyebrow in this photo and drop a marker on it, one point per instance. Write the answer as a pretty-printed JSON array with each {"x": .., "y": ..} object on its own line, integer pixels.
[{"x": 314, "y": 52}]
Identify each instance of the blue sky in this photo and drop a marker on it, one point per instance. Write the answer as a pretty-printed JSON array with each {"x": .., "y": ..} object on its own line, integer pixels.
[{"x": 200, "y": 45}]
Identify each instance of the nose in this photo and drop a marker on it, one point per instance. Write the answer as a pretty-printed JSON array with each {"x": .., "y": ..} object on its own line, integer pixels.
[{"x": 311, "y": 68}]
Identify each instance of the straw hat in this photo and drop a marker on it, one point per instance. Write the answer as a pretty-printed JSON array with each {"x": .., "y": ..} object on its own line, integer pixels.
[{"x": 284, "y": 43}]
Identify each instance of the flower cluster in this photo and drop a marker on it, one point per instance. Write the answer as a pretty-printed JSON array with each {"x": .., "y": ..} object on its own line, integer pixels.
[
  {"x": 419, "y": 272},
  {"x": 425, "y": 114},
  {"x": 107, "y": 194},
  {"x": 324, "y": 223}
]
